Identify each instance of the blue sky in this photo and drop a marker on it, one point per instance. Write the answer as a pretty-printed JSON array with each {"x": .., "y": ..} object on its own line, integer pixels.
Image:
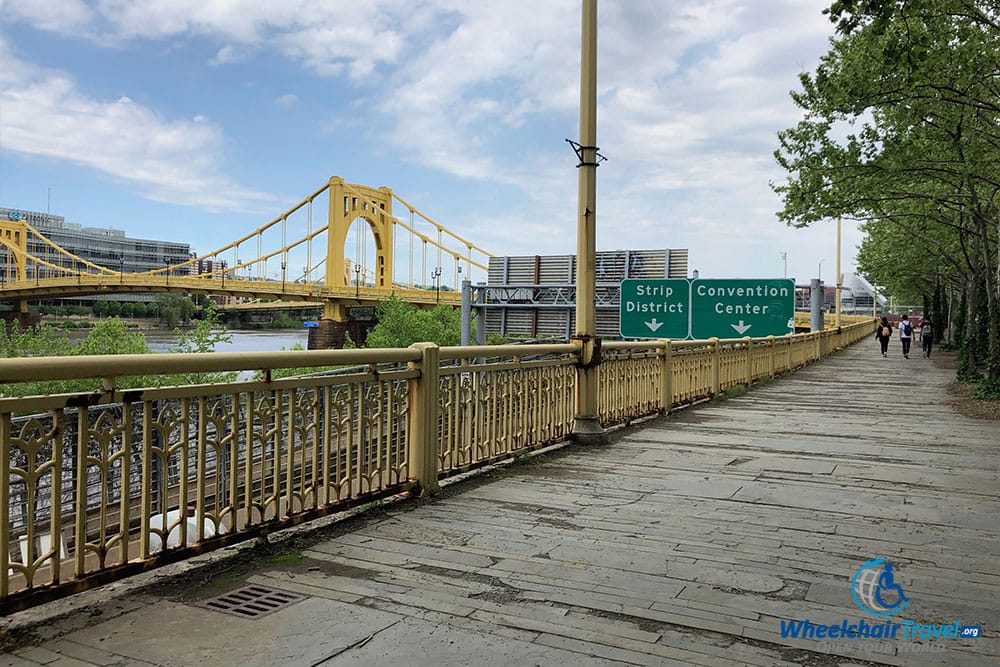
[{"x": 199, "y": 120}]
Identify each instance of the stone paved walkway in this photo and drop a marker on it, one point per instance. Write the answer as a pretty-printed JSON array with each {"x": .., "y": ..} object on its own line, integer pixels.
[{"x": 688, "y": 540}]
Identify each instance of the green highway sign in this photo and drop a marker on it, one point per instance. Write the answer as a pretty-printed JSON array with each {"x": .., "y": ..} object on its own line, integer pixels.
[
  {"x": 654, "y": 308},
  {"x": 742, "y": 307}
]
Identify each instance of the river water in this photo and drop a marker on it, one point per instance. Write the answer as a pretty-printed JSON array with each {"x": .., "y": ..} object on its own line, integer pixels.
[{"x": 271, "y": 340}]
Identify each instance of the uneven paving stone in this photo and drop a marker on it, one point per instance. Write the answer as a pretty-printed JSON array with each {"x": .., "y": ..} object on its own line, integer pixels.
[{"x": 687, "y": 540}]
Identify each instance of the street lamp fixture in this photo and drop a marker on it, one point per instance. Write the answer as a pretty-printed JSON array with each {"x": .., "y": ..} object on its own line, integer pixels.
[
  {"x": 284, "y": 275},
  {"x": 357, "y": 282},
  {"x": 121, "y": 269},
  {"x": 819, "y": 273},
  {"x": 436, "y": 275},
  {"x": 166, "y": 260},
  {"x": 784, "y": 259}
]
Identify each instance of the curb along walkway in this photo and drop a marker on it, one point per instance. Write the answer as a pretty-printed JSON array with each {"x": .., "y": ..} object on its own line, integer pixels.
[{"x": 686, "y": 541}]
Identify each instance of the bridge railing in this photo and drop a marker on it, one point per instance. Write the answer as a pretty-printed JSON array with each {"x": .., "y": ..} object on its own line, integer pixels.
[
  {"x": 635, "y": 377},
  {"x": 100, "y": 485}
]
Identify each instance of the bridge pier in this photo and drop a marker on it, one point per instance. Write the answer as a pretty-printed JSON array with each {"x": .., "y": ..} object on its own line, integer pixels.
[
  {"x": 338, "y": 322},
  {"x": 328, "y": 334},
  {"x": 23, "y": 319}
]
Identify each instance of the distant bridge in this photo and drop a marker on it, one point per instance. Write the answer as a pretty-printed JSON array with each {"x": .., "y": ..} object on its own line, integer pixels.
[{"x": 391, "y": 256}]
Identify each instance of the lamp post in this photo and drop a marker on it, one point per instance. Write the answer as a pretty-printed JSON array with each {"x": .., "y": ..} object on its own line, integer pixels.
[
  {"x": 357, "y": 282},
  {"x": 284, "y": 275},
  {"x": 166, "y": 260},
  {"x": 784, "y": 259},
  {"x": 436, "y": 275},
  {"x": 819, "y": 272},
  {"x": 121, "y": 269}
]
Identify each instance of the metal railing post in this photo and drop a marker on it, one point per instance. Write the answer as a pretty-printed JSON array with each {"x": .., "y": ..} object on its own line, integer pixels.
[
  {"x": 716, "y": 365},
  {"x": 666, "y": 378},
  {"x": 422, "y": 430},
  {"x": 770, "y": 356},
  {"x": 467, "y": 313},
  {"x": 749, "y": 344}
]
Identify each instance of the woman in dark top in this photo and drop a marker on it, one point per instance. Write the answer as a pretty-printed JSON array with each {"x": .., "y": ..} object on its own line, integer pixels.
[
  {"x": 926, "y": 336},
  {"x": 884, "y": 333}
]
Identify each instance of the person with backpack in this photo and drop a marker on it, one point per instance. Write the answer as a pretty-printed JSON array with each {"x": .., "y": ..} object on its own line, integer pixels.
[
  {"x": 884, "y": 334},
  {"x": 926, "y": 336},
  {"x": 905, "y": 335}
]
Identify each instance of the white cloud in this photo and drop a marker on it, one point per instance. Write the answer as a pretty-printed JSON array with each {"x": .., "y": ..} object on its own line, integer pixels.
[
  {"x": 692, "y": 94},
  {"x": 287, "y": 100},
  {"x": 63, "y": 16},
  {"x": 226, "y": 56},
  {"x": 164, "y": 159},
  {"x": 327, "y": 37}
]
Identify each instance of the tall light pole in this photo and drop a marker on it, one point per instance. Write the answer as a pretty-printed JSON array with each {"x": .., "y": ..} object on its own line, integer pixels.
[
  {"x": 836, "y": 297},
  {"x": 784, "y": 259},
  {"x": 357, "y": 282},
  {"x": 436, "y": 275},
  {"x": 587, "y": 425}
]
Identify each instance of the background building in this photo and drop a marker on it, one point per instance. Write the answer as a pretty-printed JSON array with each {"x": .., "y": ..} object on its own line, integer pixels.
[
  {"x": 535, "y": 295},
  {"x": 104, "y": 246}
]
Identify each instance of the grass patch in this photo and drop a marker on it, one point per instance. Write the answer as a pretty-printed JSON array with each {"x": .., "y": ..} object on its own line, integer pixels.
[
  {"x": 732, "y": 392},
  {"x": 287, "y": 558}
]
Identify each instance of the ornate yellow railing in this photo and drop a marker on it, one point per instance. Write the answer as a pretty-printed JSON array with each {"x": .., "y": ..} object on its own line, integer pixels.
[
  {"x": 635, "y": 376},
  {"x": 103, "y": 484}
]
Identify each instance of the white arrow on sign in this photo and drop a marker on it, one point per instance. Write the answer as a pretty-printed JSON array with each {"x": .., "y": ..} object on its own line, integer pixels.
[
  {"x": 654, "y": 325},
  {"x": 741, "y": 328}
]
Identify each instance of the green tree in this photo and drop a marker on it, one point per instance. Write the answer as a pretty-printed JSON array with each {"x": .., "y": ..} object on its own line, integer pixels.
[
  {"x": 202, "y": 339},
  {"x": 900, "y": 131},
  {"x": 107, "y": 337},
  {"x": 401, "y": 324},
  {"x": 174, "y": 309}
]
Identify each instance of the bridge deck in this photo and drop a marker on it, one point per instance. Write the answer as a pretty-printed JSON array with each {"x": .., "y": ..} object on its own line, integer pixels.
[{"x": 685, "y": 541}]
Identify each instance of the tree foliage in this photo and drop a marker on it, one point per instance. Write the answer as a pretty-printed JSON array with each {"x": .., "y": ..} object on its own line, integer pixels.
[
  {"x": 174, "y": 309},
  {"x": 109, "y": 336},
  {"x": 900, "y": 131},
  {"x": 208, "y": 332},
  {"x": 401, "y": 324}
]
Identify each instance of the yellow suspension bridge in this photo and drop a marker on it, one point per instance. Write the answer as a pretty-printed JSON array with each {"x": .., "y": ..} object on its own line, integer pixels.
[{"x": 401, "y": 255}]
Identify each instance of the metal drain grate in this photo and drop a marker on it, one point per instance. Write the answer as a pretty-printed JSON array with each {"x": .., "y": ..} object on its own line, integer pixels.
[{"x": 252, "y": 601}]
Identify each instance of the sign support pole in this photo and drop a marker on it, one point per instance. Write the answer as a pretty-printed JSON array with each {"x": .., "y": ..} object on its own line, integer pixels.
[{"x": 586, "y": 423}]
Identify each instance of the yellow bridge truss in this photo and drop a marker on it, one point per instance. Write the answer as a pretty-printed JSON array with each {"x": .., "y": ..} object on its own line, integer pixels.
[{"x": 241, "y": 268}]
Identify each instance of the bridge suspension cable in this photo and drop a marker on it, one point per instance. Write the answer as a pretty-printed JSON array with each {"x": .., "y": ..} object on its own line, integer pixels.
[{"x": 246, "y": 265}]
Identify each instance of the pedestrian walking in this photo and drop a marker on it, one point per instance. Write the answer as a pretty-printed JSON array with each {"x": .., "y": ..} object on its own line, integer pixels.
[
  {"x": 906, "y": 335},
  {"x": 926, "y": 336},
  {"x": 884, "y": 334}
]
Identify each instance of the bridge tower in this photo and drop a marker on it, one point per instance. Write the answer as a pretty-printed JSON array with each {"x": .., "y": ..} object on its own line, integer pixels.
[
  {"x": 14, "y": 242},
  {"x": 374, "y": 206},
  {"x": 14, "y": 239}
]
